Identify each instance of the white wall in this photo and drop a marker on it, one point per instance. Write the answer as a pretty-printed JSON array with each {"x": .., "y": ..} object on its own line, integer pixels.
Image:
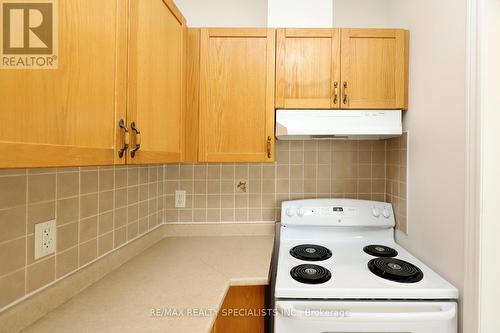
[
  {"x": 300, "y": 13},
  {"x": 224, "y": 13},
  {"x": 436, "y": 122},
  {"x": 362, "y": 13},
  {"x": 490, "y": 161},
  {"x": 328, "y": 13},
  {"x": 304, "y": 13}
]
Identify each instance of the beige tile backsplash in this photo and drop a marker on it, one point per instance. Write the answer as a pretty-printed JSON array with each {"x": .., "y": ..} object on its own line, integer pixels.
[
  {"x": 100, "y": 209},
  {"x": 96, "y": 211},
  {"x": 396, "y": 186},
  {"x": 303, "y": 169}
]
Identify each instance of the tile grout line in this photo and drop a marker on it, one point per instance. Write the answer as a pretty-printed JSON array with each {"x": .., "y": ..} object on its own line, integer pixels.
[
  {"x": 98, "y": 209},
  {"x": 164, "y": 216},
  {"x": 177, "y": 211},
  {"x": 127, "y": 169},
  {"x": 220, "y": 187},
  {"x": 17, "y": 270},
  {"x": 234, "y": 192},
  {"x": 113, "y": 213},
  {"x": 55, "y": 218},
  {"x": 245, "y": 215},
  {"x": 79, "y": 212},
  {"x": 26, "y": 236},
  {"x": 317, "y": 167},
  {"x": 262, "y": 189},
  {"x": 15, "y": 239},
  {"x": 206, "y": 193}
]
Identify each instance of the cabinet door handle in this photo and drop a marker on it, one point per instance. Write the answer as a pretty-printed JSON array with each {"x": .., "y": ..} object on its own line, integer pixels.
[
  {"x": 137, "y": 139},
  {"x": 126, "y": 140},
  {"x": 335, "y": 92},
  {"x": 344, "y": 99},
  {"x": 269, "y": 147}
]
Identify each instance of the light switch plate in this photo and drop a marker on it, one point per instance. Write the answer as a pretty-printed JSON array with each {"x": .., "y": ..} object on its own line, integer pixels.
[
  {"x": 45, "y": 238},
  {"x": 180, "y": 199}
]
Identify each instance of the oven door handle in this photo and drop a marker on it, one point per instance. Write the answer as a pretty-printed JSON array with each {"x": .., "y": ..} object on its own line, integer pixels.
[{"x": 441, "y": 312}]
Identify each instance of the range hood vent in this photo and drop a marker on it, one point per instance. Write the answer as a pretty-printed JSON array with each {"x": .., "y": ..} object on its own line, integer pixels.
[{"x": 338, "y": 124}]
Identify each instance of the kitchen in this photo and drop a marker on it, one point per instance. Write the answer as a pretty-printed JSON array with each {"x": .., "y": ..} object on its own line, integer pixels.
[{"x": 155, "y": 172}]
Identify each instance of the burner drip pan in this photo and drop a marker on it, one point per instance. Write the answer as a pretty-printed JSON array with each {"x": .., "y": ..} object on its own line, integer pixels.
[
  {"x": 310, "y": 252},
  {"x": 310, "y": 274},
  {"x": 395, "y": 270}
]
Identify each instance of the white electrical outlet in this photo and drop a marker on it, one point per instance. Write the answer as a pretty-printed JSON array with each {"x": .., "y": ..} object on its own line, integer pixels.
[
  {"x": 45, "y": 238},
  {"x": 180, "y": 199}
]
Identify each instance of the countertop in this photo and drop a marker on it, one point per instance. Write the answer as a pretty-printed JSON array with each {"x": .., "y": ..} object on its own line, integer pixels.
[{"x": 178, "y": 273}]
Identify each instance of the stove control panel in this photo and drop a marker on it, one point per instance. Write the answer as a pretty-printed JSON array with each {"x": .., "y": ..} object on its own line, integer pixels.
[{"x": 337, "y": 212}]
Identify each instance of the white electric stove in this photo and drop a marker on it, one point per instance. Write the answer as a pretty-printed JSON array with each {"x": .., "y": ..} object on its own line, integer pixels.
[{"x": 340, "y": 270}]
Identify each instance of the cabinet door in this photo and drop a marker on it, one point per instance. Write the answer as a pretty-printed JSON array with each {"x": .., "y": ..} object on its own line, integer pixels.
[
  {"x": 237, "y": 95},
  {"x": 69, "y": 115},
  {"x": 308, "y": 68},
  {"x": 249, "y": 299},
  {"x": 374, "y": 68},
  {"x": 155, "y": 81}
]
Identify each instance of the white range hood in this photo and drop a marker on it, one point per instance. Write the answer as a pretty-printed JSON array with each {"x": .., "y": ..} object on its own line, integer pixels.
[{"x": 338, "y": 124}]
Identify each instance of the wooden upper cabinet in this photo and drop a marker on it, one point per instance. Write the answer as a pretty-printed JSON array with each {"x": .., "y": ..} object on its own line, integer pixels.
[
  {"x": 374, "y": 68},
  {"x": 155, "y": 87},
  {"x": 69, "y": 116},
  {"x": 237, "y": 95},
  {"x": 308, "y": 68}
]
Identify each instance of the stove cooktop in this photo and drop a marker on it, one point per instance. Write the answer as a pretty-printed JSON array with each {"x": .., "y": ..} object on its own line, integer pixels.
[
  {"x": 347, "y": 271},
  {"x": 345, "y": 249}
]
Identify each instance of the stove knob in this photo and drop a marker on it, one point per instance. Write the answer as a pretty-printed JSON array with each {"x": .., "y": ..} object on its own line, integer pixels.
[
  {"x": 290, "y": 211},
  {"x": 376, "y": 212},
  {"x": 386, "y": 213},
  {"x": 300, "y": 212}
]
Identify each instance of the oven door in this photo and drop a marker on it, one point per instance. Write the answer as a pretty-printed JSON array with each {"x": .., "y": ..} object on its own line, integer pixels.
[{"x": 365, "y": 317}]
